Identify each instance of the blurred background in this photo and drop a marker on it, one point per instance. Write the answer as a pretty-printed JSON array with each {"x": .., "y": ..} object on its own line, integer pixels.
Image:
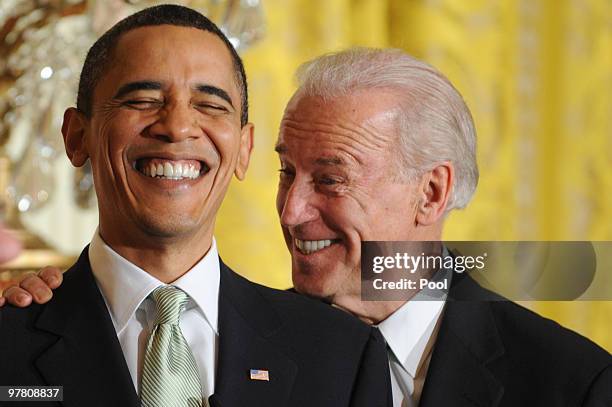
[{"x": 536, "y": 74}]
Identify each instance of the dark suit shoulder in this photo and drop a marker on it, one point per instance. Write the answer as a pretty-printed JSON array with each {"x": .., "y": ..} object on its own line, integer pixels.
[
  {"x": 545, "y": 355},
  {"x": 69, "y": 341},
  {"x": 331, "y": 358},
  {"x": 18, "y": 325},
  {"x": 21, "y": 340},
  {"x": 524, "y": 329},
  {"x": 306, "y": 315},
  {"x": 12, "y": 317},
  {"x": 545, "y": 338},
  {"x": 71, "y": 289},
  {"x": 521, "y": 357}
]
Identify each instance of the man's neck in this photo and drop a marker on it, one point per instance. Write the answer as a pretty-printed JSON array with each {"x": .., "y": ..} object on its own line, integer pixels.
[
  {"x": 370, "y": 312},
  {"x": 167, "y": 260},
  {"x": 374, "y": 312}
]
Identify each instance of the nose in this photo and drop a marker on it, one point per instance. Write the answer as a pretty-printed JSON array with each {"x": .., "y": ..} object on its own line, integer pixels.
[
  {"x": 176, "y": 122},
  {"x": 297, "y": 204}
]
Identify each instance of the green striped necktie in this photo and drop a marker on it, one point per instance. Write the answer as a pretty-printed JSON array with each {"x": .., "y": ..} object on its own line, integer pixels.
[{"x": 170, "y": 375}]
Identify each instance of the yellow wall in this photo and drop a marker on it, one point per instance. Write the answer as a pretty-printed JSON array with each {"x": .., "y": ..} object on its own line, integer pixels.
[{"x": 537, "y": 75}]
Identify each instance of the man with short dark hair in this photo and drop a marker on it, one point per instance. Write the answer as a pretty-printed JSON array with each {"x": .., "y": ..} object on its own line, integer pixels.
[{"x": 150, "y": 314}]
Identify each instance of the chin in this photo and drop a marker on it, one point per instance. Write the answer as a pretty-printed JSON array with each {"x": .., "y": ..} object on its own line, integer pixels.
[
  {"x": 313, "y": 284},
  {"x": 167, "y": 226}
]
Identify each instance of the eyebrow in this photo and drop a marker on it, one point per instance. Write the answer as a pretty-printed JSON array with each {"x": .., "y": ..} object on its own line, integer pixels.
[
  {"x": 330, "y": 161},
  {"x": 215, "y": 91},
  {"x": 325, "y": 161},
  {"x": 134, "y": 86},
  {"x": 153, "y": 85}
]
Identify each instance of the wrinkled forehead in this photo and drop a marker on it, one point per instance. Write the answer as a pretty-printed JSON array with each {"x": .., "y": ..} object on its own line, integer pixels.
[
  {"x": 360, "y": 124},
  {"x": 173, "y": 54}
]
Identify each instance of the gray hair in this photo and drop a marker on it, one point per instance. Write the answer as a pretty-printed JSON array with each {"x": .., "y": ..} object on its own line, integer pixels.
[{"x": 435, "y": 125}]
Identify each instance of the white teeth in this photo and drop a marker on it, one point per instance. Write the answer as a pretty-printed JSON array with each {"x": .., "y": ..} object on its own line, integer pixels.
[
  {"x": 169, "y": 170},
  {"x": 311, "y": 246}
]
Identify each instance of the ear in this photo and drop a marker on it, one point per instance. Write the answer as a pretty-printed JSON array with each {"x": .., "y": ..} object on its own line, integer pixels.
[
  {"x": 435, "y": 189},
  {"x": 73, "y": 130},
  {"x": 246, "y": 148}
]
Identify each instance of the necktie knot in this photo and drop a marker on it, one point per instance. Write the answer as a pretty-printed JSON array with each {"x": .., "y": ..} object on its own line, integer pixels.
[{"x": 170, "y": 302}]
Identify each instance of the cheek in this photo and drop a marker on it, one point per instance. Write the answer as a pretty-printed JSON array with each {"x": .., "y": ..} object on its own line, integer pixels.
[
  {"x": 394, "y": 217},
  {"x": 345, "y": 218},
  {"x": 114, "y": 132},
  {"x": 353, "y": 213},
  {"x": 225, "y": 138}
]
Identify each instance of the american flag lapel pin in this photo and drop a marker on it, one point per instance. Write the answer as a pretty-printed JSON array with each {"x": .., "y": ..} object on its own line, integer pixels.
[{"x": 260, "y": 374}]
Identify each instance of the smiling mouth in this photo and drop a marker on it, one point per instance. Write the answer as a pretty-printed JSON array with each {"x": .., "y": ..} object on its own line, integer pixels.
[
  {"x": 312, "y": 246},
  {"x": 171, "y": 169}
]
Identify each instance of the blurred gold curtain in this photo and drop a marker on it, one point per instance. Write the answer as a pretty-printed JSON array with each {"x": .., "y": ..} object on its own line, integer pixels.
[{"x": 537, "y": 75}]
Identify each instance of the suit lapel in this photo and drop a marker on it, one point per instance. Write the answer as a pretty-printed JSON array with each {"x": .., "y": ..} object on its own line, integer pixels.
[
  {"x": 247, "y": 324},
  {"x": 460, "y": 373},
  {"x": 84, "y": 354}
]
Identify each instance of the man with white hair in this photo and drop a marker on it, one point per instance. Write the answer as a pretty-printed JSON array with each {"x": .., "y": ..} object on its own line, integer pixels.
[
  {"x": 374, "y": 145},
  {"x": 378, "y": 146}
]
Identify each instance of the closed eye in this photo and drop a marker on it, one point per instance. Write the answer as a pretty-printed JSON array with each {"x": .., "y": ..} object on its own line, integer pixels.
[
  {"x": 143, "y": 104},
  {"x": 211, "y": 106},
  {"x": 328, "y": 181}
]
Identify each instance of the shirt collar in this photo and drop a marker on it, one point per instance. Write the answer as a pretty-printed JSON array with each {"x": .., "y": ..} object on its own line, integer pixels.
[
  {"x": 201, "y": 283},
  {"x": 408, "y": 329},
  {"x": 125, "y": 286}
]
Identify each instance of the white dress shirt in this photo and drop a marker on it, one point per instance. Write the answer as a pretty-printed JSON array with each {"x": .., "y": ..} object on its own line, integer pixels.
[
  {"x": 126, "y": 288},
  {"x": 407, "y": 332}
]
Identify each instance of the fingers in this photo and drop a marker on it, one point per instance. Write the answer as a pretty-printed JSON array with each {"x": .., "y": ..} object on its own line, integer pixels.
[
  {"x": 37, "y": 288},
  {"x": 33, "y": 287},
  {"x": 52, "y": 276},
  {"x": 17, "y": 296}
]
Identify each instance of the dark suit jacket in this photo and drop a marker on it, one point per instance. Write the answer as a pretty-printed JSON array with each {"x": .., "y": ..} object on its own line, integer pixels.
[
  {"x": 493, "y": 352},
  {"x": 315, "y": 355}
]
